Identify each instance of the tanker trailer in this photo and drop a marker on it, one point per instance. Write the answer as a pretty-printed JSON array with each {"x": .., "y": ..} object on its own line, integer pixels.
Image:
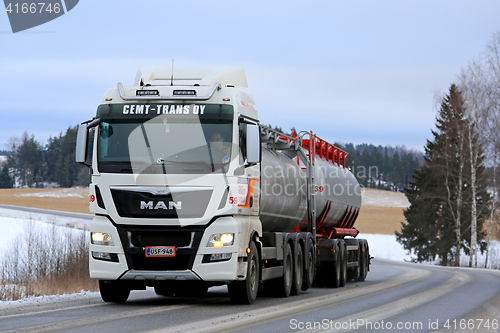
[
  {"x": 190, "y": 191},
  {"x": 298, "y": 173}
]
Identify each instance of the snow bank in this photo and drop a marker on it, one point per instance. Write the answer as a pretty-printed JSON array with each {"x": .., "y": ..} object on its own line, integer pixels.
[
  {"x": 49, "y": 299},
  {"x": 58, "y": 193}
]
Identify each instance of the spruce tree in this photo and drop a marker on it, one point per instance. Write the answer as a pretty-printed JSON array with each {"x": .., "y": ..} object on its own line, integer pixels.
[
  {"x": 439, "y": 217},
  {"x": 6, "y": 180}
]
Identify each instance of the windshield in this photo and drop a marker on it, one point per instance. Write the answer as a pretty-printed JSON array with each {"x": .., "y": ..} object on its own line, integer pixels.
[{"x": 165, "y": 144}]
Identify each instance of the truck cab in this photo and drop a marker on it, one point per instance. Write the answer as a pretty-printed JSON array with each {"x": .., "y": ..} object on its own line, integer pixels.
[{"x": 175, "y": 165}]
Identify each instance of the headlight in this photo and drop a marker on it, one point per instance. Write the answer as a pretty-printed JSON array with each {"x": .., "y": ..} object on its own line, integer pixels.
[
  {"x": 220, "y": 240},
  {"x": 100, "y": 238}
]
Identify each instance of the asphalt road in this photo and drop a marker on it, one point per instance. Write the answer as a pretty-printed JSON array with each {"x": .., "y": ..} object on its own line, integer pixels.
[{"x": 396, "y": 297}]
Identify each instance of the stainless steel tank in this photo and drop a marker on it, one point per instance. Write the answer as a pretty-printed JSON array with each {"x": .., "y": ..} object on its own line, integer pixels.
[
  {"x": 283, "y": 197},
  {"x": 283, "y": 203},
  {"x": 338, "y": 185}
]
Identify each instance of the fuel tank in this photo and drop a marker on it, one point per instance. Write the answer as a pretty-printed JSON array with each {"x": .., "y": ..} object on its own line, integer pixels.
[{"x": 283, "y": 202}]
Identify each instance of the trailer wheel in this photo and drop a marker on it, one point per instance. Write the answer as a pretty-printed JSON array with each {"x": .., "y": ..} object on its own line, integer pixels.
[
  {"x": 245, "y": 292},
  {"x": 113, "y": 292},
  {"x": 354, "y": 273},
  {"x": 332, "y": 269},
  {"x": 343, "y": 263},
  {"x": 308, "y": 267},
  {"x": 363, "y": 261},
  {"x": 298, "y": 270}
]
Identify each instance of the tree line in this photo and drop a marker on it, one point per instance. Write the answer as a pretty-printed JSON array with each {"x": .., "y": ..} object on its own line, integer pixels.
[
  {"x": 382, "y": 167},
  {"x": 32, "y": 164},
  {"x": 453, "y": 196}
]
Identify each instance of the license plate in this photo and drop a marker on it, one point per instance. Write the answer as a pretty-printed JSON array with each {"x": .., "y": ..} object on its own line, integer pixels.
[{"x": 160, "y": 251}]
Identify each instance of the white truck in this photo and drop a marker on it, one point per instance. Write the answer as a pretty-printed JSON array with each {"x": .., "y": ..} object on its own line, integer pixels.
[{"x": 189, "y": 191}]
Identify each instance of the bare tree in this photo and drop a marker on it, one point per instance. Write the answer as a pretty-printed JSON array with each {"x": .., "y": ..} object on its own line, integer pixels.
[
  {"x": 493, "y": 129},
  {"x": 457, "y": 105},
  {"x": 476, "y": 94}
]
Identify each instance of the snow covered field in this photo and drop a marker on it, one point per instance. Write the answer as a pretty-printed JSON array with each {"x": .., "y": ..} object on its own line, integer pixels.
[
  {"x": 380, "y": 198},
  {"x": 14, "y": 223}
]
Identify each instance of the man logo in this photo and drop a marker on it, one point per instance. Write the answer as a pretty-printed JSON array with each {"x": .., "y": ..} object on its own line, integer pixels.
[
  {"x": 161, "y": 205},
  {"x": 25, "y": 14}
]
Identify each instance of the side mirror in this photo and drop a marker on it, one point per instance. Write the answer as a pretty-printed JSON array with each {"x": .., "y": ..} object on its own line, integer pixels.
[
  {"x": 81, "y": 144},
  {"x": 84, "y": 142},
  {"x": 253, "y": 144}
]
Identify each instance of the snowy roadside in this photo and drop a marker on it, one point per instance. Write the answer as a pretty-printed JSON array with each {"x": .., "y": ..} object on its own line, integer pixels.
[
  {"x": 14, "y": 221},
  {"x": 63, "y": 219},
  {"x": 38, "y": 300}
]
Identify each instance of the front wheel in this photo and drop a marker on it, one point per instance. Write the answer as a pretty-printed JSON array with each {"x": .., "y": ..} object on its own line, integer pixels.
[
  {"x": 245, "y": 292},
  {"x": 113, "y": 292}
]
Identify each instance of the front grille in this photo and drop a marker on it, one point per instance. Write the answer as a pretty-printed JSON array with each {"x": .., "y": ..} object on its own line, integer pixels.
[
  {"x": 135, "y": 241},
  {"x": 143, "y": 203},
  {"x": 155, "y": 238}
]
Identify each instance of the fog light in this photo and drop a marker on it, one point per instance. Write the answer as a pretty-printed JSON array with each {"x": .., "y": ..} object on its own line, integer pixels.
[
  {"x": 105, "y": 256},
  {"x": 220, "y": 256},
  {"x": 216, "y": 257}
]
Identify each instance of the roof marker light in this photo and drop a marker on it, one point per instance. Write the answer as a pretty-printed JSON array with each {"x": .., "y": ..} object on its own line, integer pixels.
[{"x": 185, "y": 92}]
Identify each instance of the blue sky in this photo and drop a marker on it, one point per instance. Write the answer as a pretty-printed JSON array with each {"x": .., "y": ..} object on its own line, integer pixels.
[{"x": 351, "y": 71}]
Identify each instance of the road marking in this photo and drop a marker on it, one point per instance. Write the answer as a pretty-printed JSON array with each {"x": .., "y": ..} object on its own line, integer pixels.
[
  {"x": 246, "y": 319},
  {"x": 47, "y": 311},
  {"x": 402, "y": 305},
  {"x": 96, "y": 320}
]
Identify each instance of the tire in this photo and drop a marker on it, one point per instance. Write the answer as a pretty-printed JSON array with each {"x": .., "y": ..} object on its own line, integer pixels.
[
  {"x": 298, "y": 270},
  {"x": 363, "y": 262},
  {"x": 113, "y": 292},
  {"x": 332, "y": 270},
  {"x": 343, "y": 264},
  {"x": 245, "y": 292},
  {"x": 308, "y": 267},
  {"x": 284, "y": 283},
  {"x": 354, "y": 273}
]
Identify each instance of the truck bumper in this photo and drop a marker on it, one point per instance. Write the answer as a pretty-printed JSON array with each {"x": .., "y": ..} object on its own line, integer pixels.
[{"x": 217, "y": 264}]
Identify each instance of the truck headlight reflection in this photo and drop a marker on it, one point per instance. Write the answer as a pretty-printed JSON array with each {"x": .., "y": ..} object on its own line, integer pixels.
[
  {"x": 100, "y": 238},
  {"x": 220, "y": 240}
]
